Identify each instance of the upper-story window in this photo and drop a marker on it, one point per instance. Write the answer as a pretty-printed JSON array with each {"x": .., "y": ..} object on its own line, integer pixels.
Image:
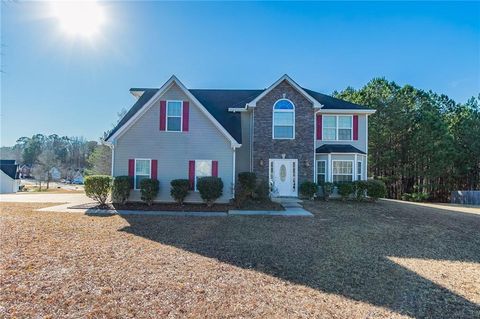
[
  {"x": 174, "y": 116},
  {"x": 283, "y": 119},
  {"x": 337, "y": 127}
]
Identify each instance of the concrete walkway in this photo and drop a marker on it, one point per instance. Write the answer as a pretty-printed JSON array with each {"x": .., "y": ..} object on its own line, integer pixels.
[
  {"x": 292, "y": 206},
  {"x": 64, "y": 208}
]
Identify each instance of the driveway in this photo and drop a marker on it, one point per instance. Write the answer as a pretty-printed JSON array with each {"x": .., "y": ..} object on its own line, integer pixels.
[{"x": 45, "y": 198}]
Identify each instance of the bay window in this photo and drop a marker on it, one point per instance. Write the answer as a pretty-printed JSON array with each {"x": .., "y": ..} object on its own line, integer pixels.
[
  {"x": 359, "y": 171},
  {"x": 321, "y": 172},
  {"x": 342, "y": 171}
]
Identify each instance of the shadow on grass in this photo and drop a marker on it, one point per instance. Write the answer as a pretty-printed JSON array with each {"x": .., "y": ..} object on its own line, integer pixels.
[{"x": 343, "y": 250}]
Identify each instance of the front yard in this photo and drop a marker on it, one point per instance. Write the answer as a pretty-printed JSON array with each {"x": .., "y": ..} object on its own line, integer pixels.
[{"x": 352, "y": 260}]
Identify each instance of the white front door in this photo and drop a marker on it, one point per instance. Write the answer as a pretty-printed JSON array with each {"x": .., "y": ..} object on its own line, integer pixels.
[{"x": 283, "y": 177}]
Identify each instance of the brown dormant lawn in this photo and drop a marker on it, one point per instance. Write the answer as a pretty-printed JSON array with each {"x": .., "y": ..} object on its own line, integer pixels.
[{"x": 380, "y": 260}]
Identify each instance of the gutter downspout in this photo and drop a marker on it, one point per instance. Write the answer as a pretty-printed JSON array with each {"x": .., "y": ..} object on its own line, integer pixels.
[
  {"x": 112, "y": 147},
  {"x": 233, "y": 173}
]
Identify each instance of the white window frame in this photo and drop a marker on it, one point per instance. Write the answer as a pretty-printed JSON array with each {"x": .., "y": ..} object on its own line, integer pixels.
[
  {"x": 195, "y": 172},
  {"x": 283, "y": 111},
  {"x": 353, "y": 169},
  {"x": 167, "y": 116},
  {"x": 336, "y": 127},
  {"x": 359, "y": 175},
  {"x": 316, "y": 170},
  {"x": 135, "y": 170}
]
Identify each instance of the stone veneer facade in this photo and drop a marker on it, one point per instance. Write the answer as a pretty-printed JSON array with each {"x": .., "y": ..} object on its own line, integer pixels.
[{"x": 301, "y": 148}]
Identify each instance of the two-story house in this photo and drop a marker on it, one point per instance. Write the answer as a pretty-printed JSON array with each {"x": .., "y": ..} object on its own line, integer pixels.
[{"x": 286, "y": 134}]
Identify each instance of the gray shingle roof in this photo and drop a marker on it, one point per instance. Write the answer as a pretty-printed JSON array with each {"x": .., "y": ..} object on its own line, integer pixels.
[
  {"x": 338, "y": 148},
  {"x": 146, "y": 96},
  {"x": 10, "y": 168},
  {"x": 330, "y": 102},
  {"x": 218, "y": 101}
]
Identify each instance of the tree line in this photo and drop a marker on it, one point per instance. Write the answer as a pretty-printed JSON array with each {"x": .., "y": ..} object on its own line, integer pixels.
[
  {"x": 421, "y": 143},
  {"x": 67, "y": 154}
]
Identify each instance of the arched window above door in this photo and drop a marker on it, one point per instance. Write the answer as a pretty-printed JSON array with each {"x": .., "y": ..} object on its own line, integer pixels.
[{"x": 283, "y": 119}]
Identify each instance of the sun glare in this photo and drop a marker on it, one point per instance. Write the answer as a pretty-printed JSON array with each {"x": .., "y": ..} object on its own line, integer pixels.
[{"x": 79, "y": 18}]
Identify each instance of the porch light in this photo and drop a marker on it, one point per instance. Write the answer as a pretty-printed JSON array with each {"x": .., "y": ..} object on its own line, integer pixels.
[{"x": 261, "y": 162}]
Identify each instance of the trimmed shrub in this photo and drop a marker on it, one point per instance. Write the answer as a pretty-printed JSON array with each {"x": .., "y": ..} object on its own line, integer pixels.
[
  {"x": 308, "y": 189},
  {"x": 241, "y": 195},
  {"x": 345, "y": 189},
  {"x": 210, "y": 188},
  {"x": 149, "y": 190},
  {"x": 179, "y": 190},
  {"x": 121, "y": 189},
  {"x": 327, "y": 189},
  {"x": 248, "y": 181},
  {"x": 98, "y": 187},
  {"x": 262, "y": 190},
  {"x": 376, "y": 189},
  {"x": 360, "y": 190}
]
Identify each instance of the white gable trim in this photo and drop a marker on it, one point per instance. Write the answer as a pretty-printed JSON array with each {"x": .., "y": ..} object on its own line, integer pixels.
[
  {"x": 173, "y": 80},
  {"x": 346, "y": 111},
  {"x": 285, "y": 77}
]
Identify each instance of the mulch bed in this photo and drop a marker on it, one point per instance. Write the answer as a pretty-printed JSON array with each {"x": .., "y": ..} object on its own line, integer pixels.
[{"x": 186, "y": 207}]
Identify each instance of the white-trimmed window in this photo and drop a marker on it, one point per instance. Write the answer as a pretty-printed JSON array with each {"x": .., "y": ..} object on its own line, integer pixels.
[
  {"x": 142, "y": 170},
  {"x": 337, "y": 127},
  {"x": 342, "y": 171},
  {"x": 321, "y": 171},
  {"x": 345, "y": 128},
  {"x": 174, "y": 116},
  {"x": 203, "y": 168},
  {"x": 283, "y": 119},
  {"x": 359, "y": 171}
]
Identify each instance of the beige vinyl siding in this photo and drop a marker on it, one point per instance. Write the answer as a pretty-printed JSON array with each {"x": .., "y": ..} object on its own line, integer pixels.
[{"x": 173, "y": 150}]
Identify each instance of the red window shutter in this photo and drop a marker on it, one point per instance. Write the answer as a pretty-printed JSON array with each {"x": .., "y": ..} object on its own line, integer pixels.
[
  {"x": 131, "y": 171},
  {"x": 154, "y": 169},
  {"x": 191, "y": 173},
  {"x": 355, "y": 127},
  {"x": 185, "y": 116},
  {"x": 319, "y": 127},
  {"x": 163, "y": 115},
  {"x": 215, "y": 168}
]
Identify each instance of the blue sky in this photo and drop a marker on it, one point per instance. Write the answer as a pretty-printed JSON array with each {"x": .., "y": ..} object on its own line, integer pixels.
[{"x": 70, "y": 86}]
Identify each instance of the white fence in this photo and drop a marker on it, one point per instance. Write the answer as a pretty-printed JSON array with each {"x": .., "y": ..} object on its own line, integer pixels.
[{"x": 465, "y": 197}]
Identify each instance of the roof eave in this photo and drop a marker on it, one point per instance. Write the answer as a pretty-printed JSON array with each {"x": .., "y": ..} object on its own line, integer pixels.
[{"x": 347, "y": 111}]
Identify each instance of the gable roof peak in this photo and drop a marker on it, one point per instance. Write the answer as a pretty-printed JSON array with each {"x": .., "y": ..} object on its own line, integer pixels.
[{"x": 287, "y": 78}]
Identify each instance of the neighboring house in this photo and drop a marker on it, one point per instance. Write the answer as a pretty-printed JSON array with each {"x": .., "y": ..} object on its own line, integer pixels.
[
  {"x": 25, "y": 171},
  {"x": 55, "y": 174},
  {"x": 286, "y": 134},
  {"x": 77, "y": 178},
  {"x": 9, "y": 180}
]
